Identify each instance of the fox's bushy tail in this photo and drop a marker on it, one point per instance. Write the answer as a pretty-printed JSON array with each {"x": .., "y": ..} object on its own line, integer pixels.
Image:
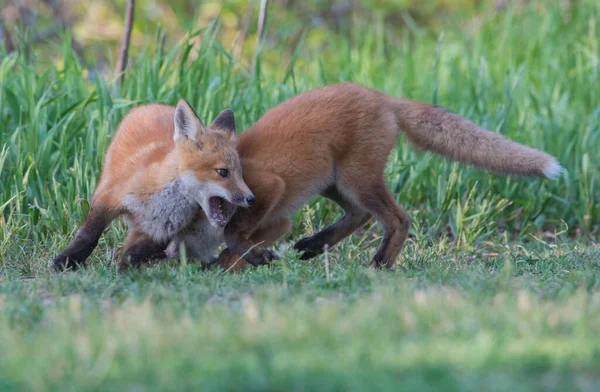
[{"x": 436, "y": 129}]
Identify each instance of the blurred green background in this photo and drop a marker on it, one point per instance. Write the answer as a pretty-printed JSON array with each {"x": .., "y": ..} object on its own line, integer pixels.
[{"x": 97, "y": 26}]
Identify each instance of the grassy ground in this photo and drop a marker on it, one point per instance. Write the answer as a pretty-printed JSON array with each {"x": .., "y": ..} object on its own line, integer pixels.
[
  {"x": 498, "y": 288},
  {"x": 526, "y": 320}
]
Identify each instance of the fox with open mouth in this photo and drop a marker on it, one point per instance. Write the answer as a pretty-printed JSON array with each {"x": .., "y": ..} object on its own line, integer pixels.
[{"x": 171, "y": 178}]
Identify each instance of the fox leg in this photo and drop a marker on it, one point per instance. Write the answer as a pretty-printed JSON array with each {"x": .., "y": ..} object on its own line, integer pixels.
[
  {"x": 378, "y": 200},
  {"x": 139, "y": 248},
  {"x": 354, "y": 218},
  {"x": 264, "y": 236},
  {"x": 268, "y": 189},
  {"x": 85, "y": 240}
]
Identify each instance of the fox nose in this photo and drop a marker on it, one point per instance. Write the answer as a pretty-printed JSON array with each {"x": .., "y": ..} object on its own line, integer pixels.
[{"x": 250, "y": 200}]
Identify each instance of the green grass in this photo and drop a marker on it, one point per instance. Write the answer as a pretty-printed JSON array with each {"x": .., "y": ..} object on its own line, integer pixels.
[
  {"x": 526, "y": 320},
  {"x": 498, "y": 285}
]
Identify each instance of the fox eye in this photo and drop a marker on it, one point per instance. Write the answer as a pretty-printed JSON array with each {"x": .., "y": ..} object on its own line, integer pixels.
[{"x": 223, "y": 172}]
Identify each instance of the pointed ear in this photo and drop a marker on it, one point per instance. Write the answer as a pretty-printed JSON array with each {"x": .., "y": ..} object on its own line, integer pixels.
[
  {"x": 225, "y": 122},
  {"x": 187, "y": 124}
]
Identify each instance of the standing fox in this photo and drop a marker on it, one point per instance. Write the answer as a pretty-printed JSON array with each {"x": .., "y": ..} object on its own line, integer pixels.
[
  {"x": 334, "y": 142},
  {"x": 169, "y": 176}
]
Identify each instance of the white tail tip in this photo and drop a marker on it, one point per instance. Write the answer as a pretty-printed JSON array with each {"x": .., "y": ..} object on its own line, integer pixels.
[{"x": 553, "y": 170}]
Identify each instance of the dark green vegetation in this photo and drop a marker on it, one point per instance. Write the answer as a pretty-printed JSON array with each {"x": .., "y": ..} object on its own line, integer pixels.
[{"x": 498, "y": 288}]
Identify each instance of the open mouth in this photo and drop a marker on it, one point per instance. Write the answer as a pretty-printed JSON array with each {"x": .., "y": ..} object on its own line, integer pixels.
[{"x": 215, "y": 213}]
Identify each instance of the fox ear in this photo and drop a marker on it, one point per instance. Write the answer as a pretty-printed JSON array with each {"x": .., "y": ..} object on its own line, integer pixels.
[
  {"x": 187, "y": 124},
  {"x": 225, "y": 122}
]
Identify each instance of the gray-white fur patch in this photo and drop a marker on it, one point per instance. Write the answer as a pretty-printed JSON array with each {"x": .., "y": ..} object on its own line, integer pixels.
[
  {"x": 164, "y": 214},
  {"x": 201, "y": 239}
]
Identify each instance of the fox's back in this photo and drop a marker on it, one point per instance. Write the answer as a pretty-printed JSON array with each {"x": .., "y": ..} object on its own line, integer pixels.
[
  {"x": 144, "y": 137},
  {"x": 331, "y": 117},
  {"x": 311, "y": 134}
]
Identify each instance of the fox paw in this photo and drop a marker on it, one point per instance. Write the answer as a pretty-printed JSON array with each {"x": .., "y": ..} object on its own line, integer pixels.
[
  {"x": 62, "y": 262},
  {"x": 172, "y": 251},
  {"x": 309, "y": 247},
  {"x": 261, "y": 256},
  {"x": 376, "y": 264},
  {"x": 228, "y": 261}
]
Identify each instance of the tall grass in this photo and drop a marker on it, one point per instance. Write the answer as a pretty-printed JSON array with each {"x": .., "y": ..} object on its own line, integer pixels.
[{"x": 532, "y": 75}]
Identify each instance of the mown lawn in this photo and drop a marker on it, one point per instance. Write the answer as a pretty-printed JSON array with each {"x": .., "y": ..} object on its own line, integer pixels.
[
  {"x": 497, "y": 288},
  {"x": 527, "y": 319}
]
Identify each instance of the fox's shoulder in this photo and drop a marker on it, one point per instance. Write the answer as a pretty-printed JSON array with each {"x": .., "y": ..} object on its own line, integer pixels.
[
  {"x": 147, "y": 122},
  {"x": 150, "y": 113},
  {"x": 155, "y": 108},
  {"x": 144, "y": 137}
]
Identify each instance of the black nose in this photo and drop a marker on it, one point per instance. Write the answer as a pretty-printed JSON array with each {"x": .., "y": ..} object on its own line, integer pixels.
[{"x": 250, "y": 200}]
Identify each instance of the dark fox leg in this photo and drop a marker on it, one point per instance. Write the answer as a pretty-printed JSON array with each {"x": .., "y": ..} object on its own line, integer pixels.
[
  {"x": 243, "y": 225},
  {"x": 354, "y": 218},
  {"x": 378, "y": 201},
  {"x": 264, "y": 237},
  {"x": 139, "y": 249},
  {"x": 267, "y": 234},
  {"x": 85, "y": 240}
]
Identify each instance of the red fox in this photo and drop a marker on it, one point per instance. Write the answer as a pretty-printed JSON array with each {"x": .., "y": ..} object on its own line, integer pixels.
[
  {"x": 170, "y": 176},
  {"x": 334, "y": 141}
]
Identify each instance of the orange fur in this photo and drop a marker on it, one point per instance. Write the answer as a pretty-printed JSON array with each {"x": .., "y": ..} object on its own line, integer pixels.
[
  {"x": 335, "y": 141},
  {"x": 162, "y": 166}
]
